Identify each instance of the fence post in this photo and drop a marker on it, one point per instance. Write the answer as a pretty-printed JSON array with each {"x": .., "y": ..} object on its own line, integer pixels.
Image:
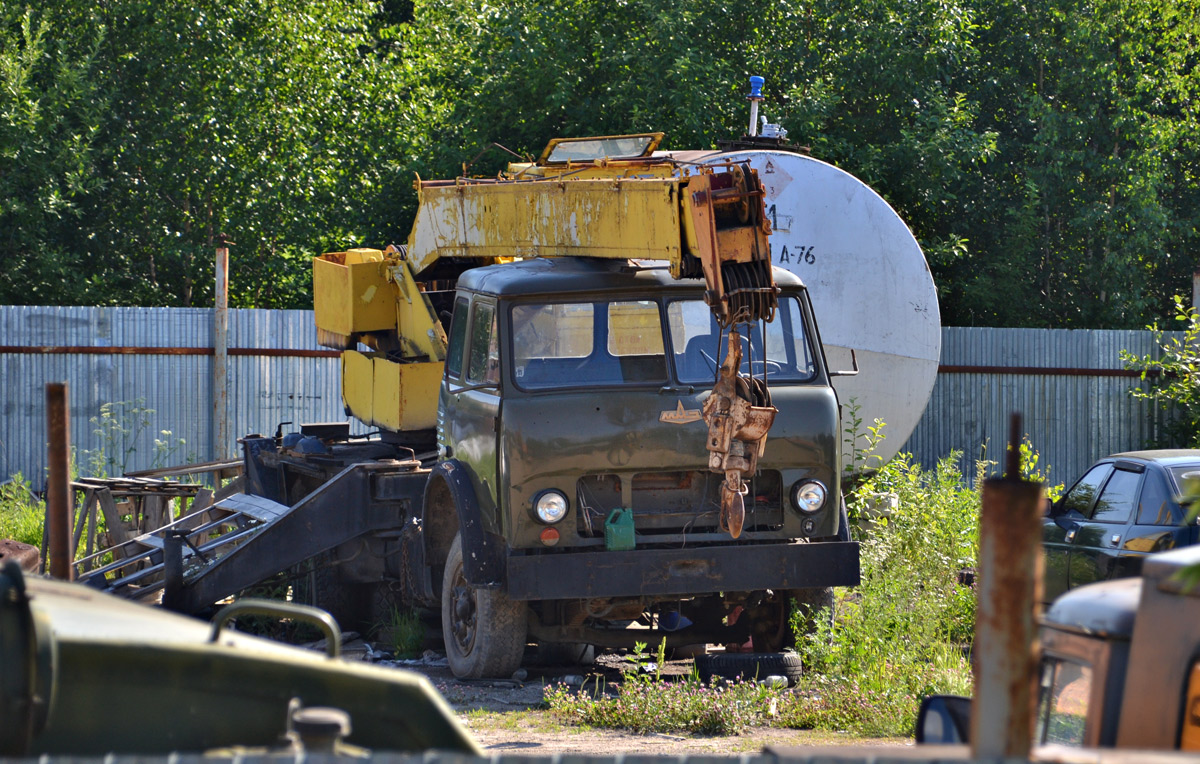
[
  {"x": 1010, "y": 586},
  {"x": 59, "y": 515},
  {"x": 220, "y": 412}
]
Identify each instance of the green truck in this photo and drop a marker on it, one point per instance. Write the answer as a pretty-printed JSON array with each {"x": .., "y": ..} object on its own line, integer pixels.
[{"x": 597, "y": 405}]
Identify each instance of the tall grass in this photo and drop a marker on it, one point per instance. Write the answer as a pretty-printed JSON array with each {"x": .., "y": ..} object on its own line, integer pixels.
[
  {"x": 21, "y": 513},
  {"x": 905, "y": 632},
  {"x": 649, "y": 703}
]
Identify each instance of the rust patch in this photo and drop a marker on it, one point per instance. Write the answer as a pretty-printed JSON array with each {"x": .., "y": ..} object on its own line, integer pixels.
[{"x": 689, "y": 568}]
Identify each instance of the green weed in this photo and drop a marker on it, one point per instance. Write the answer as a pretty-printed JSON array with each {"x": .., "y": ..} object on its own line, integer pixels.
[
  {"x": 905, "y": 631},
  {"x": 647, "y": 703},
  {"x": 407, "y": 631},
  {"x": 21, "y": 513},
  {"x": 117, "y": 429}
]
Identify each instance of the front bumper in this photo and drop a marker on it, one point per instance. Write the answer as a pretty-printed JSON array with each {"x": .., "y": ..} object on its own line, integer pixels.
[{"x": 683, "y": 572}]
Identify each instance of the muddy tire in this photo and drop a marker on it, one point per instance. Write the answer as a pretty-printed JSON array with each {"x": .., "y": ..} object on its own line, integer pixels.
[
  {"x": 749, "y": 667},
  {"x": 484, "y": 630},
  {"x": 565, "y": 654},
  {"x": 320, "y": 585},
  {"x": 814, "y": 608}
]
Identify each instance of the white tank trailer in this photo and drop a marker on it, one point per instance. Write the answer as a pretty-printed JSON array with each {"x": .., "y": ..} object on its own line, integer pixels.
[{"x": 870, "y": 285}]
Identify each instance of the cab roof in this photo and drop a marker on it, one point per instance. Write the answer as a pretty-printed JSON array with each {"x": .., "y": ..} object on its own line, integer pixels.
[
  {"x": 1105, "y": 609},
  {"x": 579, "y": 275}
]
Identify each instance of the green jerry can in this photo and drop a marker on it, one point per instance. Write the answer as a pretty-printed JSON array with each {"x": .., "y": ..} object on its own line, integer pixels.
[{"x": 618, "y": 531}]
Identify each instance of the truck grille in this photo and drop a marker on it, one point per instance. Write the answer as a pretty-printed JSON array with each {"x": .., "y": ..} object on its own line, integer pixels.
[{"x": 673, "y": 502}]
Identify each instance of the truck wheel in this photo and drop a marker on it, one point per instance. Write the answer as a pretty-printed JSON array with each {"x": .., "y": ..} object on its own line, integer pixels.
[
  {"x": 815, "y": 607},
  {"x": 749, "y": 667},
  {"x": 566, "y": 654},
  {"x": 484, "y": 630}
]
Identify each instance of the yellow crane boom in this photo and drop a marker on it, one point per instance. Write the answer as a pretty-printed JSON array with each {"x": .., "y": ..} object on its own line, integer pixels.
[{"x": 703, "y": 222}]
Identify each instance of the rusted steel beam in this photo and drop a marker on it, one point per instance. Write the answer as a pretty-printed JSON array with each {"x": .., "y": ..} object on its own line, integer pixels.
[
  {"x": 1052, "y": 371},
  {"x": 1043, "y": 371},
  {"x": 1010, "y": 583},
  {"x": 59, "y": 515},
  {"x": 134, "y": 350}
]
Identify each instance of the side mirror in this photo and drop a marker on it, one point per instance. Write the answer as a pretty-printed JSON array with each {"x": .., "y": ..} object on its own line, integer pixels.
[
  {"x": 1056, "y": 508},
  {"x": 944, "y": 719},
  {"x": 1048, "y": 508}
]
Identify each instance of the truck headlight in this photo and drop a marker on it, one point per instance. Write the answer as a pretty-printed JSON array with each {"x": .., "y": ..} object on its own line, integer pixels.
[
  {"x": 551, "y": 506},
  {"x": 808, "y": 496}
]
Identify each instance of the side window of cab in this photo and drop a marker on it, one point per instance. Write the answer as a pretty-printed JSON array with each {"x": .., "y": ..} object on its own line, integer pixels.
[
  {"x": 483, "y": 366},
  {"x": 458, "y": 335}
]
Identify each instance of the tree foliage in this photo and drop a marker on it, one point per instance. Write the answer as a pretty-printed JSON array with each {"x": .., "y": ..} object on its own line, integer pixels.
[
  {"x": 50, "y": 111},
  {"x": 1171, "y": 378},
  {"x": 1044, "y": 154}
]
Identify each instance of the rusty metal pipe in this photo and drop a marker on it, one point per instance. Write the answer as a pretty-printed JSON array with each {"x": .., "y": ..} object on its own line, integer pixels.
[
  {"x": 59, "y": 514},
  {"x": 220, "y": 412},
  {"x": 1010, "y": 586}
]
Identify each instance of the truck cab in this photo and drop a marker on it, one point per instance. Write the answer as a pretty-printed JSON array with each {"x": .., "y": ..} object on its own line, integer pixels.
[
  {"x": 571, "y": 402},
  {"x": 1121, "y": 660}
]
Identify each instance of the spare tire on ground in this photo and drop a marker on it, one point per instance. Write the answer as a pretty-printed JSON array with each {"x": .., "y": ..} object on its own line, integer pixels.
[{"x": 749, "y": 666}]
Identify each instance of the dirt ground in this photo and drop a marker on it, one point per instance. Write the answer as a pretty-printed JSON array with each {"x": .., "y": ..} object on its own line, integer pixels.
[{"x": 506, "y": 716}]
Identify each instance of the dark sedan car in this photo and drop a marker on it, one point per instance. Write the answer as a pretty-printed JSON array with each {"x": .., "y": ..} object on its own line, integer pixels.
[{"x": 1122, "y": 509}]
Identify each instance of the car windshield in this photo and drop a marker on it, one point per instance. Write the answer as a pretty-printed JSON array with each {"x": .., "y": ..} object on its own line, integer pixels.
[
  {"x": 698, "y": 344},
  {"x": 587, "y": 149}
]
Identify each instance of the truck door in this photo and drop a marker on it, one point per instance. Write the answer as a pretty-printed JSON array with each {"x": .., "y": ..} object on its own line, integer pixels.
[
  {"x": 1096, "y": 546},
  {"x": 470, "y": 400}
]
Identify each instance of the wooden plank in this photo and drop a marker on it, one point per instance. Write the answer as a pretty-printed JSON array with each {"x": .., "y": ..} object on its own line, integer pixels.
[
  {"x": 91, "y": 531},
  {"x": 203, "y": 501},
  {"x": 189, "y": 469},
  {"x": 153, "y": 510},
  {"x": 117, "y": 529},
  {"x": 80, "y": 520},
  {"x": 229, "y": 489}
]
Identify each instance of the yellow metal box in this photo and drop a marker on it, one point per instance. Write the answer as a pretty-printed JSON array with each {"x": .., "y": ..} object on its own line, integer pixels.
[
  {"x": 351, "y": 293},
  {"x": 390, "y": 395},
  {"x": 406, "y": 394}
]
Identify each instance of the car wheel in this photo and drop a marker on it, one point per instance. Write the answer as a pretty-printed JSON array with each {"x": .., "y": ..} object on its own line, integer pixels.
[{"x": 483, "y": 629}]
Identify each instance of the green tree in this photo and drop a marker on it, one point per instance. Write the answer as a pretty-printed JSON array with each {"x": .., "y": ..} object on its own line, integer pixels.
[
  {"x": 1171, "y": 378},
  {"x": 868, "y": 86},
  {"x": 1088, "y": 215},
  {"x": 265, "y": 121},
  {"x": 50, "y": 111}
]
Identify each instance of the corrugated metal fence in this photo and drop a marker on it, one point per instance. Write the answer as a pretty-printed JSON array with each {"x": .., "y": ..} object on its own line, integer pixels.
[
  {"x": 159, "y": 359},
  {"x": 1069, "y": 385}
]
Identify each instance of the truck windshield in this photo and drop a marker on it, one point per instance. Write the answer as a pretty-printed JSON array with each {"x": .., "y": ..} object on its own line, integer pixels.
[
  {"x": 698, "y": 345},
  {"x": 1063, "y": 703},
  {"x": 585, "y": 344}
]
